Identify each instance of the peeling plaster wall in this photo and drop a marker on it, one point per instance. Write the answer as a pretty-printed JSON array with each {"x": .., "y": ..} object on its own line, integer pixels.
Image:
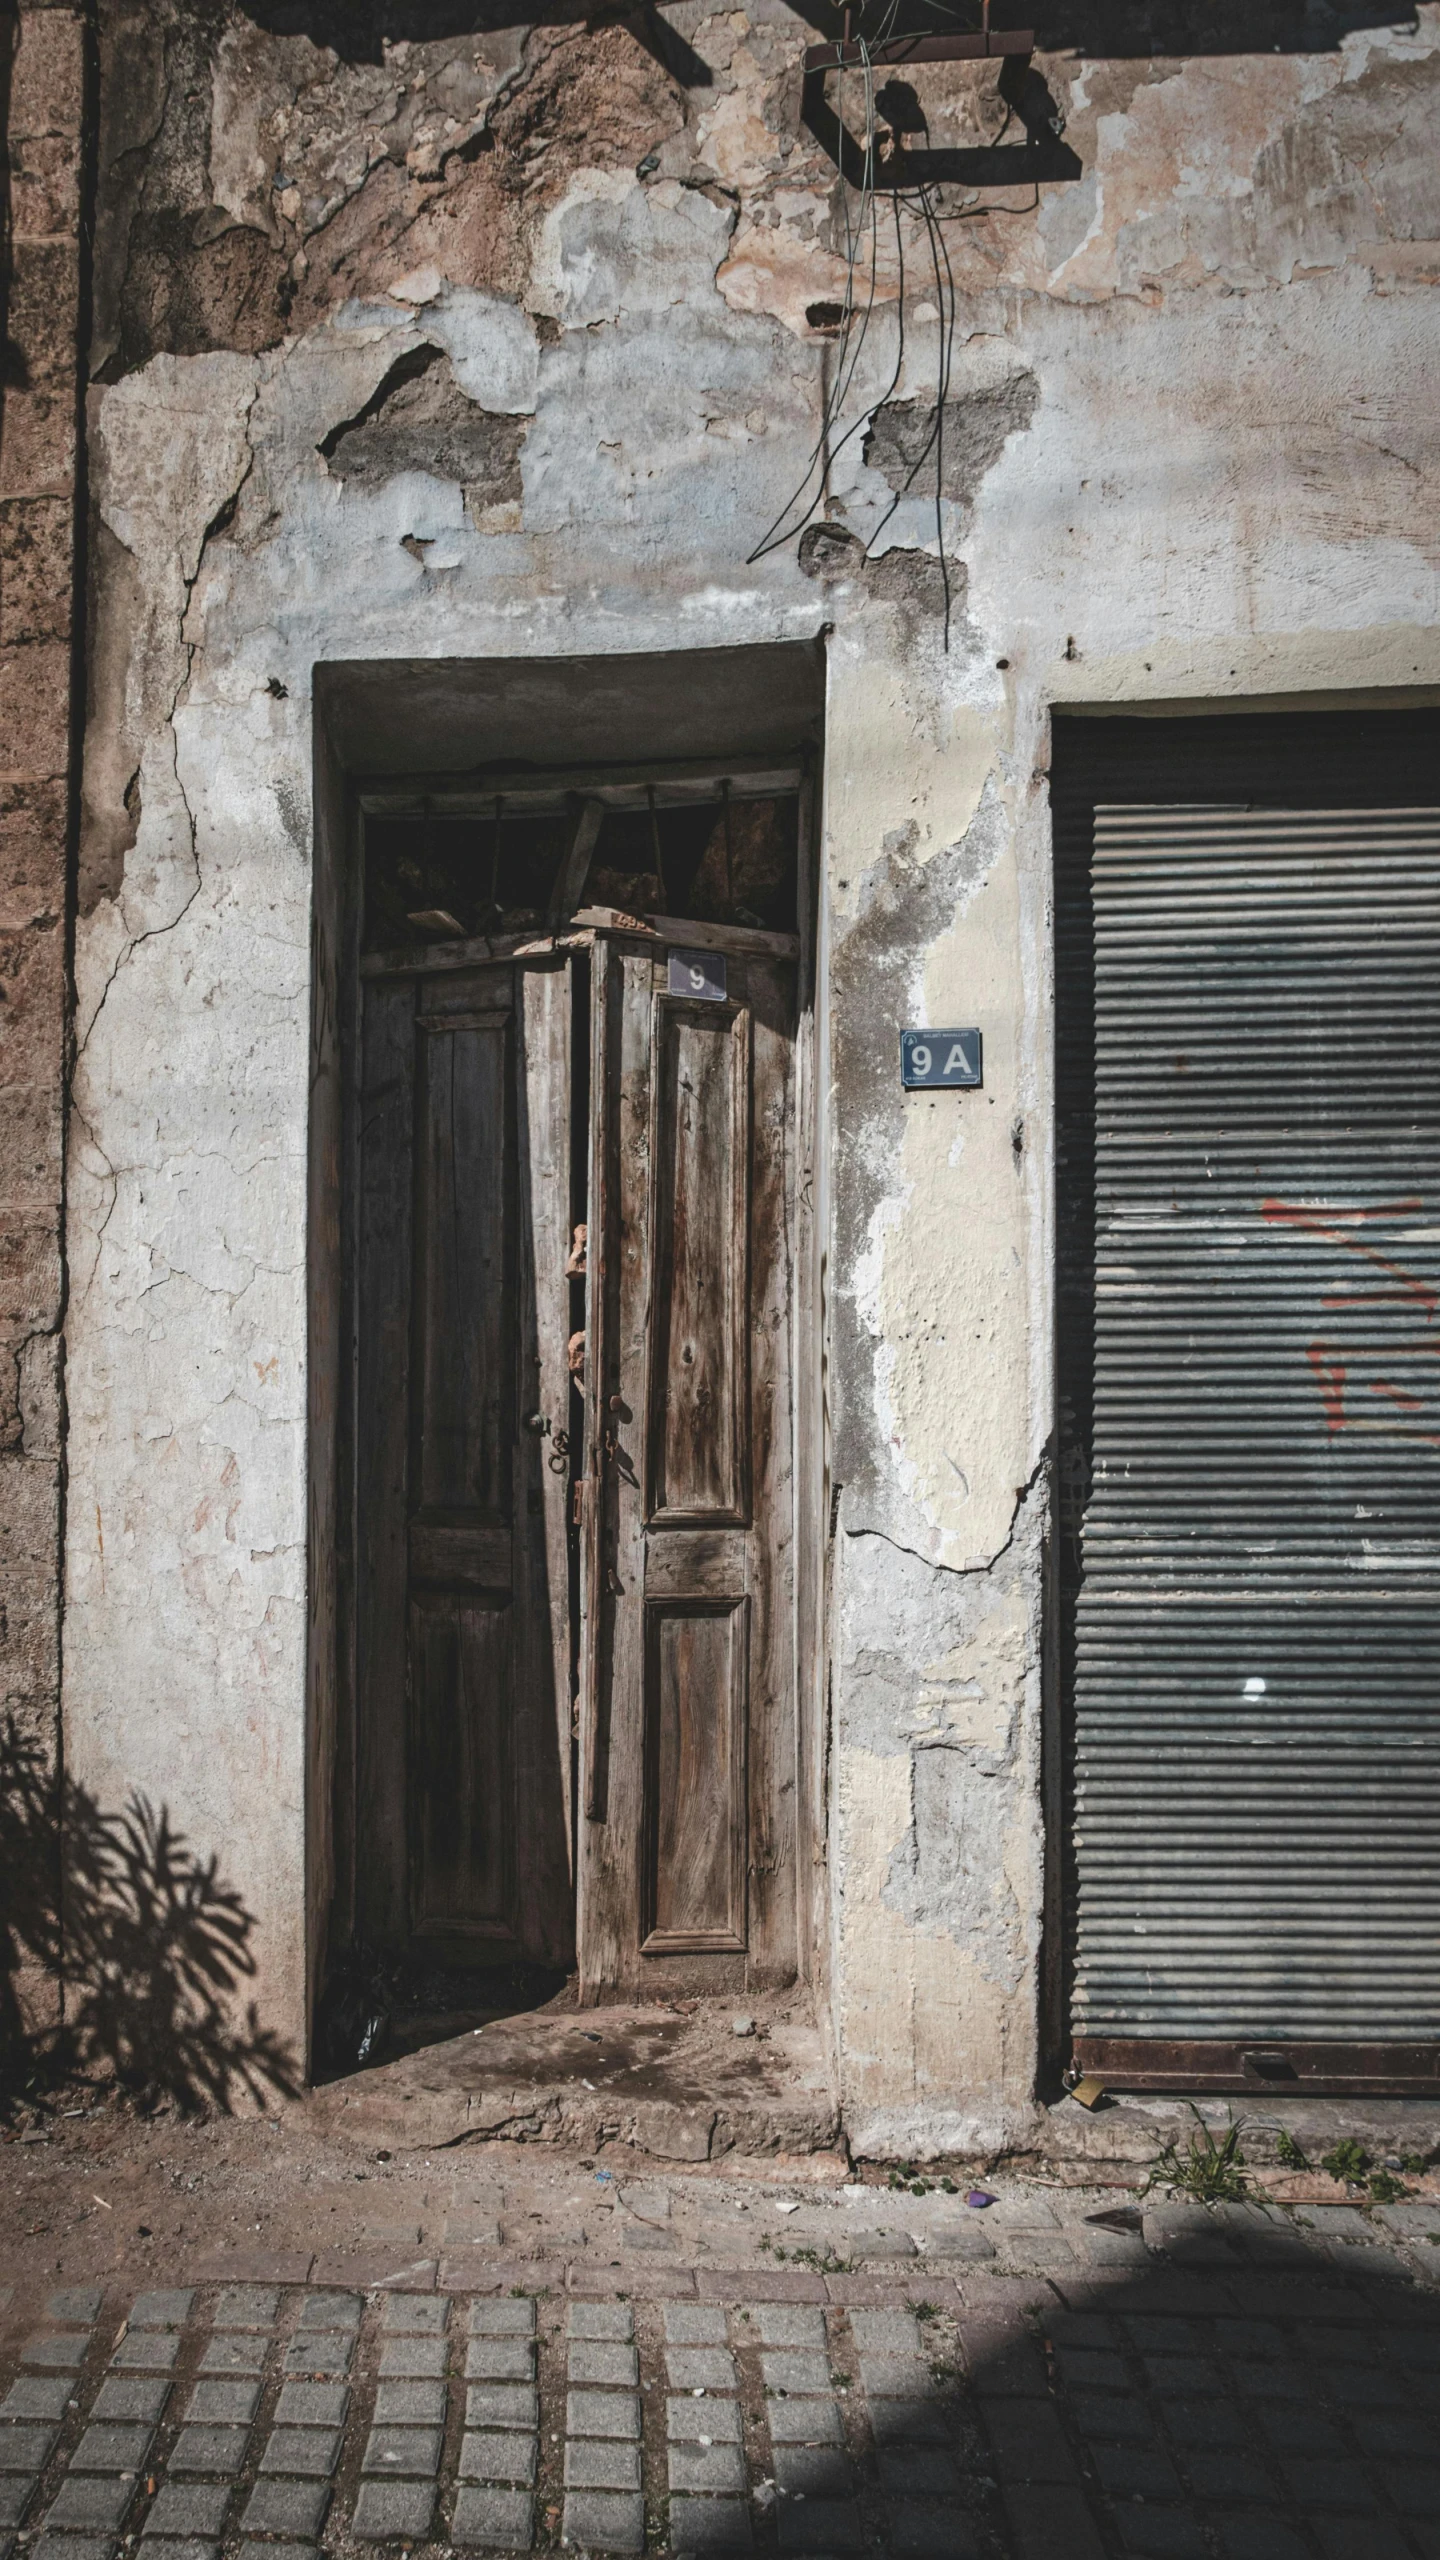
[{"x": 1191, "y": 453}]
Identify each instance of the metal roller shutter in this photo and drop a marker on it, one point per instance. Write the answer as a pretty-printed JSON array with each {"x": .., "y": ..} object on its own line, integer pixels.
[{"x": 1251, "y": 1251}]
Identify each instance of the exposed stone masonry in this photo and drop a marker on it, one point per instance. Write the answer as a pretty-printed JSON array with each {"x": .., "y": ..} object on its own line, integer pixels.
[{"x": 44, "y": 56}]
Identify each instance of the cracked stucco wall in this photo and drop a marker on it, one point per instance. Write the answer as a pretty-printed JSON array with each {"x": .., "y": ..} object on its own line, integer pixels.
[{"x": 1192, "y": 454}]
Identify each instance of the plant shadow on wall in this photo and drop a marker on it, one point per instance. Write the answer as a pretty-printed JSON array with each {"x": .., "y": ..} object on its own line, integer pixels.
[{"x": 150, "y": 1942}]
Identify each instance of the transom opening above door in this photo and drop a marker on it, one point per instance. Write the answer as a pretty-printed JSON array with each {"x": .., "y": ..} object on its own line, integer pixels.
[{"x": 664, "y": 843}]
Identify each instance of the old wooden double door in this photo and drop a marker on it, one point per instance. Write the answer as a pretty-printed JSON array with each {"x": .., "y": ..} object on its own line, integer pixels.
[{"x": 575, "y": 1645}]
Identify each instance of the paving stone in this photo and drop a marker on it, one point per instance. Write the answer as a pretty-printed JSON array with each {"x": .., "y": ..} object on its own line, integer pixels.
[
  {"x": 420, "y": 2315},
  {"x": 1366, "y": 2538},
  {"x": 637, "y": 2235},
  {"x": 236, "y": 2355},
  {"x": 793, "y": 2421},
  {"x": 90, "y": 2505},
  {"x": 147, "y": 2351},
  {"x": 75, "y": 2305},
  {"x": 501, "y": 2519},
  {"x": 404, "y": 2453},
  {"x": 1112, "y": 2419},
  {"x": 963, "y": 2241},
  {"x": 783, "y": 2324},
  {"x": 392, "y": 2510},
  {"x": 1228, "y": 2475},
  {"x": 601, "y": 2320},
  {"x": 908, "y": 2421},
  {"x": 137, "y": 2399},
  {"x": 15, "y": 2497},
  {"x": 1415, "y": 2487},
  {"x": 496, "y": 2457},
  {"x": 112, "y": 2448},
  {"x": 56, "y": 2355},
  {"x": 189, "y": 2507},
  {"x": 606, "y": 2413},
  {"x": 918, "y": 2472},
  {"x": 399, "y": 2404},
  {"x": 604, "y": 2360},
  {"x": 413, "y": 2359},
  {"x": 247, "y": 2306},
  {"x": 1092, "y": 2368},
  {"x": 1213, "y": 2423},
  {"x": 322, "y": 2353},
  {"x": 1261, "y": 2536},
  {"x": 709, "y": 2524},
  {"x": 1181, "y": 2377},
  {"x": 72, "y": 2546},
  {"x": 886, "y": 2333},
  {"x": 323, "y": 2309},
  {"x": 1137, "y": 2471},
  {"x": 593, "y": 2465},
  {"x": 260, "y": 2551},
  {"x": 229, "y": 2404},
  {"x": 700, "y": 2369},
  {"x": 502, "y": 2404},
  {"x": 1028, "y": 2442},
  {"x": 813, "y": 2471},
  {"x": 500, "y": 2359},
  {"x": 829, "y": 2525},
  {"x": 169, "y": 2308},
  {"x": 897, "y": 2377},
  {"x": 692, "y": 2421},
  {"x": 1169, "y": 2533},
  {"x": 604, "y": 2520},
  {"x": 324, "y": 2405},
  {"x": 919, "y": 2532},
  {"x": 301, "y": 2453},
  {"x": 792, "y": 2371},
  {"x": 694, "y": 2324},
  {"x": 37, "y": 2395},
  {"x": 1002, "y": 2364},
  {"x": 880, "y": 2244},
  {"x": 293, "y": 2509},
  {"x": 706, "y": 2466},
  {"x": 26, "y": 2449},
  {"x": 217, "y": 2450},
  {"x": 190, "y": 2546},
  {"x": 1329, "y": 2485}
]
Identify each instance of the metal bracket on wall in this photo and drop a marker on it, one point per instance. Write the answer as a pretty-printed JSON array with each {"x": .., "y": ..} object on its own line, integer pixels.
[{"x": 898, "y": 166}]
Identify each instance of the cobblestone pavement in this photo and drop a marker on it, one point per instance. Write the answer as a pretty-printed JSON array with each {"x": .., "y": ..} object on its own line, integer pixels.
[{"x": 1234, "y": 2383}]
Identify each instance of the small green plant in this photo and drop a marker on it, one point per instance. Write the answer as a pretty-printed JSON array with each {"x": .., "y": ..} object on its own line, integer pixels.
[
  {"x": 948, "y": 2187},
  {"x": 1289, "y": 2153},
  {"x": 1414, "y": 2163},
  {"x": 1348, "y": 2161},
  {"x": 1385, "y": 2189},
  {"x": 1210, "y": 2172},
  {"x": 926, "y": 2310}
]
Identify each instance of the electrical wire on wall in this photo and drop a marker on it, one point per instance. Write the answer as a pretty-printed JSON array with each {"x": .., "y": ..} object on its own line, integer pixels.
[{"x": 862, "y": 232}]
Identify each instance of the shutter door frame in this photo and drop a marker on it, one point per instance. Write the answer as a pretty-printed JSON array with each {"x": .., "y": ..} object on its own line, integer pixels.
[{"x": 1350, "y": 760}]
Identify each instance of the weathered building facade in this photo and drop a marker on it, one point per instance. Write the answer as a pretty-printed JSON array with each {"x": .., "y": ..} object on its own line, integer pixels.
[{"x": 442, "y": 373}]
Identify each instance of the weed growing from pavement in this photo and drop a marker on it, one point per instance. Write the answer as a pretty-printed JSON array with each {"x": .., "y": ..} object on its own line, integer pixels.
[
  {"x": 1209, "y": 2172},
  {"x": 823, "y": 2261},
  {"x": 1288, "y": 2152},
  {"x": 1348, "y": 2162}
]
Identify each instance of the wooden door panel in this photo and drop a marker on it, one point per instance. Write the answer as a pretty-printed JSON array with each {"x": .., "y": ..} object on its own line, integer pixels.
[
  {"x": 698, "y": 1434},
  {"x": 697, "y": 1821},
  {"x": 463, "y": 1625},
  {"x": 687, "y": 1874},
  {"x": 464, "y": 1264},
  {"x": 461, "y": 1716}
]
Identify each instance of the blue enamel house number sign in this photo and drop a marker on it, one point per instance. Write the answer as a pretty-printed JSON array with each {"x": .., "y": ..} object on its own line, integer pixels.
[{"x": 939, "y": 1058}]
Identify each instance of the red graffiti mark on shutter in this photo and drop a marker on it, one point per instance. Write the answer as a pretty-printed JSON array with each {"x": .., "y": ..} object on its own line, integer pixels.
[{"x": 1329, "y": 1371}]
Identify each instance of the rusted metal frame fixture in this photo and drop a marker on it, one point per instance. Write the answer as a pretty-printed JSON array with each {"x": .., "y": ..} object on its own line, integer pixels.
[{"x": 1013, "y": 48}]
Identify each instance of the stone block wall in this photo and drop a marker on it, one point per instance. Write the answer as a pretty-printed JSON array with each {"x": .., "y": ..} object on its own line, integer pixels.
[{"x": 43, "y": 62}]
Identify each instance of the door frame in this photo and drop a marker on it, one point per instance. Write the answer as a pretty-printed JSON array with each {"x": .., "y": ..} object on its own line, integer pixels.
[{"x": 344, "y": 800}]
